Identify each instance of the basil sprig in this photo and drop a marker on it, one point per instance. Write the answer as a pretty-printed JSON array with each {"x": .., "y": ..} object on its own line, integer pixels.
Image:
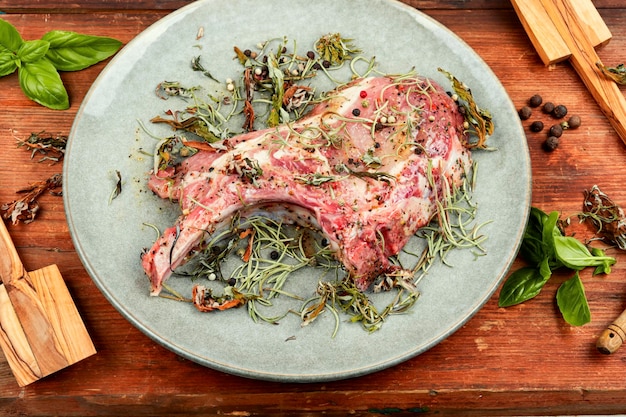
[
  {"x": 38, "y": 62},
  {"x": 546, "y": 249}
]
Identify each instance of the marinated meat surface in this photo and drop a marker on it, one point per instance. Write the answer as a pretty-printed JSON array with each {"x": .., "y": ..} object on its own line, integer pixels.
[{"x": 366, "y": 166}]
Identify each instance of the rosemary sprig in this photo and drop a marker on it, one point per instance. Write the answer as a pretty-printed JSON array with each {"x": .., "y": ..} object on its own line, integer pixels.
[{"x": 479, "y": 119}]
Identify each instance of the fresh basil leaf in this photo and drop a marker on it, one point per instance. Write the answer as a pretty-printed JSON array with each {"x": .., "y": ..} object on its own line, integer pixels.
[
  {"x": 41, "y": 82},
  {"x": 520, "y": 286},
  {"x": 572, "y": 302},
  {"x": 545, "y": 269},
  {"x": 8, "y": 63},
  {"x": 550, "y": 230},
  {"x": 31, "y": 51},
  {"x": 533, "y": 248},
  {"x": 605, "y": 266},
  {"x": 71, "y": 51},
  {"x": 575, "y": 255},
  {"x": 10, "y": 38}
]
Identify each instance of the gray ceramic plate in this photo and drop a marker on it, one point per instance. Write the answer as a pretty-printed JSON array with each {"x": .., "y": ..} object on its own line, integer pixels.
[{"x": 109, "y": 236}]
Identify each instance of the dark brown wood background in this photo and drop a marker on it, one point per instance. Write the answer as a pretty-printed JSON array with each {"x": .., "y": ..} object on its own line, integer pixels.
[{"x": 523, "y": 360}]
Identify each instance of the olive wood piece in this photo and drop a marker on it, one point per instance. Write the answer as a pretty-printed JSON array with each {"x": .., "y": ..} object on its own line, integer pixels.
[
  {"x": 613, "y": 336},
  {"x": 545, "y": 35},
  {"x": 41, "y": 331},
  {"x": 580, "y": 38}
]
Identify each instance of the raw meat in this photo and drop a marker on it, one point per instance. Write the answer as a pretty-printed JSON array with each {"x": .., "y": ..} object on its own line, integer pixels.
[{"x": 358, "y": 164}]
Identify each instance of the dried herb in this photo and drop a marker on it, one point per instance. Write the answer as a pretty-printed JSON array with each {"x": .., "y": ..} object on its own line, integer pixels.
[
  {"x": 117, "y": 190},
  {"x": 479, "y": 119},
  {"x": 167, "y": 89},
  {"x": 204, "y": 299},
  {"x": 195, "y": 125},
  {"x": 606, "y": 216},
  {"x": 617, "y": 74},
  {"x": 50, "y": 147},
  {"x": 25, "y": 209},
  {"x": 335, "y": 49},
  {"x": 196, "y": 66}
]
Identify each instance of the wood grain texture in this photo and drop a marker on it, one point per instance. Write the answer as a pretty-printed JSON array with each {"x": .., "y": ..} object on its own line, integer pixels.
[
  {"x": 41, "y": 331},
  {"x": 523, "y": 360}
]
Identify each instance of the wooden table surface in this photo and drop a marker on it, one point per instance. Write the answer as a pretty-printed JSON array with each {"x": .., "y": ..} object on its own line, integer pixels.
[{"x": 523, "y": 360}]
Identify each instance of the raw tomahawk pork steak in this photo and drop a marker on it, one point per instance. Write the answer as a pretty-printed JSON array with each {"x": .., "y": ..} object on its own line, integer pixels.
[{"x": 359, "y": 164}]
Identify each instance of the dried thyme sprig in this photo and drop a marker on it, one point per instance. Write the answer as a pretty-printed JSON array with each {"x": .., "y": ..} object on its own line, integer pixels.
[
  {"x": 606, "y": 216},
  {"x": 617, "y": 74},
  {"x": 25, "y": 209},
  {"x": 51, "y": 147}
]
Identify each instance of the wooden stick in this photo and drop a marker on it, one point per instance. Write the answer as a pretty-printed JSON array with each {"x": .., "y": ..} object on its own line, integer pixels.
[
  {"x": 613, "y": 336},
  {"x": 584, "y": 58},
  {"x": 545, "y": 36}
]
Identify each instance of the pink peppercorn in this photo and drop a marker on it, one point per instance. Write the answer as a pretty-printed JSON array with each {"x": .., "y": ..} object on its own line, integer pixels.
[{"x": 363, "y": 94}]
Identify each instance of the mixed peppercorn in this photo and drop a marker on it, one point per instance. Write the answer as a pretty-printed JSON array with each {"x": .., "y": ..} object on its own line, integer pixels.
[{"x": 556, "y": 112}]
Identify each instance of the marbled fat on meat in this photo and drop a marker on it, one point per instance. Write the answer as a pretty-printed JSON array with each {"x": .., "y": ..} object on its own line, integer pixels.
[{"x": 397, "y": 129}]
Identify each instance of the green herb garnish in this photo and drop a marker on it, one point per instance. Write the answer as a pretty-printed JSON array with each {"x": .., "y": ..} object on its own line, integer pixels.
[
  {"x": 38, "y": 61},
  {"x": 334, "y": 49},
  {"x": 546, "y": 249},
  {"x": 617, "y": 74},
  {"x": 478, "y": 119}
]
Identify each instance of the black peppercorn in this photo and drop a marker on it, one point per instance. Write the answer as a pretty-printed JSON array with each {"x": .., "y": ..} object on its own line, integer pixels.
[
  {"x": 548, "y": 107},
  {"x": 274, "y": 255},
  {"x": 356, "y": 112},
  {"x": 525, "y": 113},
  {"x": 559, "y": 111},
  {"x": 535, "y": 101},
  {"x": 556, "y": 130},
  {"x": 536, "y": 126},
  {"x": 574, "y": 122},
  {"x": 310, "y": 55},
  {"x": 551, "y": 143},
  {"x": 232, "y": 282}
]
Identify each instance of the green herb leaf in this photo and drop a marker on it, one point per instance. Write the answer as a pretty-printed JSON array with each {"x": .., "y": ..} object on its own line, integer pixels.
[
  {"x": 31, "y": 51},
  {"x": 71, "y": 51},
  {"x": 522, "y": 285},
  {"x": 572, "y": 302},
  {"x": 534, "y": 249},
  {"x": 479, "y": 119},
  {"x": 575, "y": 255},
  {"x": 617, "y": 73},
  {"x": 605, "y": 266},
  {"x": 8, "y": 63},
  {"x": 41, "y": 82},
  {"x": 10, "y": 39}
]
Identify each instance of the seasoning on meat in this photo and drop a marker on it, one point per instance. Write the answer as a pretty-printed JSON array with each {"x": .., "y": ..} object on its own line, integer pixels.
[{"x": 368, "y": 179}]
